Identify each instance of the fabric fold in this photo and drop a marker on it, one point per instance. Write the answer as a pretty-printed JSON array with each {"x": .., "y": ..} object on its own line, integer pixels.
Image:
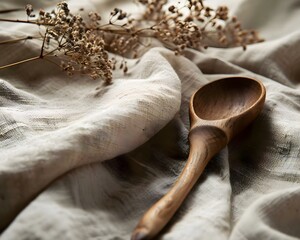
[{"x": 99, "y": 128}]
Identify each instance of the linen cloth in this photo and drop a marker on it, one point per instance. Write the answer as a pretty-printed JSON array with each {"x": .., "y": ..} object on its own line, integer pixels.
[{"x": 80, "y": 160}]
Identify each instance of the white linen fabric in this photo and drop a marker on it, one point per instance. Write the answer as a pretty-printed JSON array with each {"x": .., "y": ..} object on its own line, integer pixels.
[{"x": 80, "y": 160}]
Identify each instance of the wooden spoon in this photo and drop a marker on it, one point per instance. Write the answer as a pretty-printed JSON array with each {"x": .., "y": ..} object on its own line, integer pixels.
[{"x": 218, "y": 111}]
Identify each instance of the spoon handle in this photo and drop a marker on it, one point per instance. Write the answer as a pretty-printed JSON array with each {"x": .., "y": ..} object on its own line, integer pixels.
[{"x": 205, "y": 142}]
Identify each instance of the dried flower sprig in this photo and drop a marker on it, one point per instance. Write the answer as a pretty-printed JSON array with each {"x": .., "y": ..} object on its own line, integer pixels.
[{"x": 82, "y": 45}]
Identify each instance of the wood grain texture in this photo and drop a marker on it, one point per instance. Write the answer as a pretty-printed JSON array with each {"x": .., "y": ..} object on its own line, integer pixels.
[{"x": 218, "y": 111}]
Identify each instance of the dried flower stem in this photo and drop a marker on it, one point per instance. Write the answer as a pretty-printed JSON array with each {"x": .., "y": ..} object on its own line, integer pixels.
[
  {"x": 19, "y": 21},
  {"x": 19, "y": 39},
  {"x": 43, "y": 44},
  {"x": 20, "y": 62},
  {"x": 41, "y": 56}
]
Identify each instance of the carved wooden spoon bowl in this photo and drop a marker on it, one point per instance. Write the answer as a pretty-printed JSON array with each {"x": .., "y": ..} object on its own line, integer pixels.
[{"x": 218, "y": 111}]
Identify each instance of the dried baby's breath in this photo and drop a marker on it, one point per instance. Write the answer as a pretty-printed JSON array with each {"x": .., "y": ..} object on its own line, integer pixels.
[{"x": 82, "y": 45}]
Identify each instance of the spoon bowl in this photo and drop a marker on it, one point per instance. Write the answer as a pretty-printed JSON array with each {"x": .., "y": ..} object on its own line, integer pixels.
[
  {"x": 229, "y": 104},
  {"x": 218, "y": 111},
  {"x": 225, "y": 98}
]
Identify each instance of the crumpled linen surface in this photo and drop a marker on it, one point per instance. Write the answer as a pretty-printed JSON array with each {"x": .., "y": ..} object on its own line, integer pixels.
[{"x": 82, "y": 161}]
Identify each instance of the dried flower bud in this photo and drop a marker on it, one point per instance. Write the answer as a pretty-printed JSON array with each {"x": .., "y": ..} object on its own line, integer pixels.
[
  {"x": 41, "y": 12},
  {"x": 172, "y": 9},
  {"x": 28, "y": 9},
  {"x": 125, "y": 69},
  {"x": 122, "y": 16}
]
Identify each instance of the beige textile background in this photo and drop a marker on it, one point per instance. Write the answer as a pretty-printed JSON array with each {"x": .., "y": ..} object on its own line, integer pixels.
[{"x": 56, "y": 134}]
